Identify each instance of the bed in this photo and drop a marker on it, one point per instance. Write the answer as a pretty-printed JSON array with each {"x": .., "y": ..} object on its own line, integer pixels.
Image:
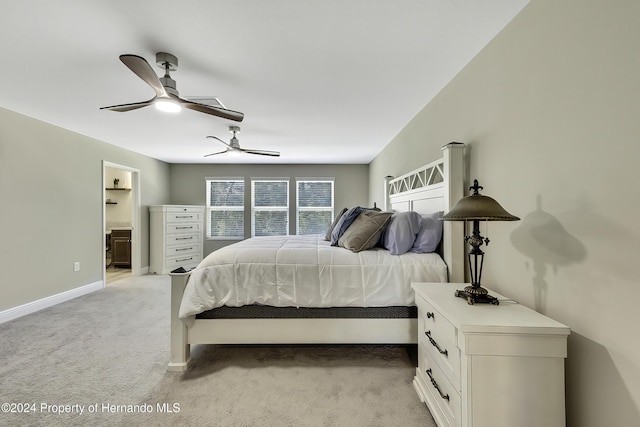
[{"x": 373, "y": 313}]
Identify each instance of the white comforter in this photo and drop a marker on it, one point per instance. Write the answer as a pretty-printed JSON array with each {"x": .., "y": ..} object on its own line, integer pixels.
[{"x": 305, "y": 271}]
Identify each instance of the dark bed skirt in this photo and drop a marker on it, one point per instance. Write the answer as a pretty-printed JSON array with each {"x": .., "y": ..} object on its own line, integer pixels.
[{"x": 267, "y": 312}]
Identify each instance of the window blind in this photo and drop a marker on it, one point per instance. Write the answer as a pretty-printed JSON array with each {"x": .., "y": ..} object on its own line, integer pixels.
[
  {"x": 225, "y": 208},
  {"x": 314, "y": 211},
  {"x": 269, "y": 207}
]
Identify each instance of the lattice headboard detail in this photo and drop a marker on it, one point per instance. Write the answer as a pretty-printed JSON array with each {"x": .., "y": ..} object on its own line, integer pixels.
[{"x": 426, "y": 176}]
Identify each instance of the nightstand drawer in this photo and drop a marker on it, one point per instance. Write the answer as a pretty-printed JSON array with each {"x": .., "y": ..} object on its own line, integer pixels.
[
  {"x": 440, "y": 391},
  {"x": 449, "y": 361},
  {"x": 441, "y": 329},
  {"x": 439, "y": 338}
]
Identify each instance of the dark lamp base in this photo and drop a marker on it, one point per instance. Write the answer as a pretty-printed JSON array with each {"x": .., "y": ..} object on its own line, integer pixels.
[{"x": 477, "y": 294}]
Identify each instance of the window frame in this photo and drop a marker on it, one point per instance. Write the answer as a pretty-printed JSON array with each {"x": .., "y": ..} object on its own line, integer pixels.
[
  {"x": 255, "y": 209},
  {"x": 299, "y": 208},
  {"x": 224, "y": 208}
]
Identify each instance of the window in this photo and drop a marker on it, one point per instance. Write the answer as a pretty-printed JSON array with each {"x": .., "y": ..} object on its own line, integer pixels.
[
  {"x": 314, "y": 212},
  {"x": 270, "y": 207},
  {"x": 225, "y": 208}
]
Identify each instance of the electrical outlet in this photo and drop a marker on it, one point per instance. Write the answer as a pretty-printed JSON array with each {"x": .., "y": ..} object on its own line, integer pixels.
[{"x": 76, "y": 266}]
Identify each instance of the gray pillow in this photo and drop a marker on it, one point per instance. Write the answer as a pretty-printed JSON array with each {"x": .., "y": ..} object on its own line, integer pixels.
[
  {"x": 364, "y": 233},
  {"x": 343, "y": 223},
  {"x": 400, "y": 234},
  {"x": 429, "y": 235},
  {"x": 327, "y": 236}
]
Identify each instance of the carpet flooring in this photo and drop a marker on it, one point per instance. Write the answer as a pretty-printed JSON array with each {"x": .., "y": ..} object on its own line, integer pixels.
[{"x": 100, "y": 360}]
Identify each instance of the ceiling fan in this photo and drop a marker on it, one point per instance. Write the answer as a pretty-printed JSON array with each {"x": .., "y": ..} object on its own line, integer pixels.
[
  {"x": 233, "y": 147},
  {"x": 167, "y": 97}
]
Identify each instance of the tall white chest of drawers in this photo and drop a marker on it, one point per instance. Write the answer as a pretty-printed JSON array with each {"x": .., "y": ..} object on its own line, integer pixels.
[
  {"x": 176, "y": 237},
  {"x": 487, "y": 365}
]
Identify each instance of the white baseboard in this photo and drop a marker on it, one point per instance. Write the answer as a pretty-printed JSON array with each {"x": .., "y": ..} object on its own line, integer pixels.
[
  {"x": 142, "y": 271},
  {"x": 32, "y": 307}
]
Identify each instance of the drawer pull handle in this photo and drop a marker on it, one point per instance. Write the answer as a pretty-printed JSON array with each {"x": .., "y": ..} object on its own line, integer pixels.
[
  {"x": 183, "y": 228},
  {"x": 186, "y": 259},
  {"x": 435, "y": 344},
  {"x": 184, "y": 238},
  {"x": 184, "y": 216},
  {"x": 184, "y": 249},
  {"x": 430, "y": 315},
  {"x": 435, "y": 384}
]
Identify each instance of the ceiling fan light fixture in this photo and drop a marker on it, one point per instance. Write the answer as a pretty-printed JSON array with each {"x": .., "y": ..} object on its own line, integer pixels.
[
  {"x": 233, "y": 146},
  {"x": 165, "y": 89},
  {"x": 168, "y": 106}
]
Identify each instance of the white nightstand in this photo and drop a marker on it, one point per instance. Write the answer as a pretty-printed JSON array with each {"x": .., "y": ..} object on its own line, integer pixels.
[{"x": 488, "y": 365}]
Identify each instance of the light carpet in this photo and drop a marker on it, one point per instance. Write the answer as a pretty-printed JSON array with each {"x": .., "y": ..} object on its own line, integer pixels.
[{"x": 106, "y": 353}]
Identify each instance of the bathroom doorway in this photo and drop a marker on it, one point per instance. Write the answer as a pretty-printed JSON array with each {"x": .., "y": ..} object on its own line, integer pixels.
[{"x": 121, "y": 219}]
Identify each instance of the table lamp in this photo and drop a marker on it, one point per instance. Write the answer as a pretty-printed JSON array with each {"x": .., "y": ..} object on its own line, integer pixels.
[{"x": 476, "y": 208}]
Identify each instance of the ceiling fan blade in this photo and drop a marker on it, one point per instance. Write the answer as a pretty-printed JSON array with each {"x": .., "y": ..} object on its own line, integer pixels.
[
  {"x": 218, "y": 112},
  {"x": 142, "y": 69},
  {"x": 128, "y": 107},
  {"x": 215, "y": 137},
  {"x": 213, "y": 154},
  {"x": 260, "y": 152},
  {"x": 211, "y": 101}
]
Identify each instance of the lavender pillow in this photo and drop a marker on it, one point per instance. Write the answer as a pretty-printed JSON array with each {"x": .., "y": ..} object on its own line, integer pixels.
[
  {"x": 429, "y": 235},
  {"x": 401, "y": 232}
]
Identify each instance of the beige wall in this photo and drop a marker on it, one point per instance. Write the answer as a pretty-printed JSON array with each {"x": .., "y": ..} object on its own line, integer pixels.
[
  {"x": 51, "y": 204},
  {"x": 188, "y": 185},
  {"x": 550, "y": 113}
]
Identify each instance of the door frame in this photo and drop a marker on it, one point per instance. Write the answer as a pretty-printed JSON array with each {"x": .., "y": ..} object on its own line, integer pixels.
[{"x": 136, "y": 234}]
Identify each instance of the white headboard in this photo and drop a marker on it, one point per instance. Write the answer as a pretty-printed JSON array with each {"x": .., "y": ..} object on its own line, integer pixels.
[{"x": 435, "y": 187}]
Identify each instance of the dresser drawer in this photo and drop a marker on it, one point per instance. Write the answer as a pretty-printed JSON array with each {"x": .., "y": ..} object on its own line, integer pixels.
[
  {"x": 183, "y": 209},
  {"x": 183, "y": 261},
  {"x": 440, "y": 391},
  {"x": 184, "y": 228},
  {"x": 173, "y": 217},
  {"x": 439, "y": 338},
  {"x": 182, "y": 251},
  {"x": 183, "y": 239}
]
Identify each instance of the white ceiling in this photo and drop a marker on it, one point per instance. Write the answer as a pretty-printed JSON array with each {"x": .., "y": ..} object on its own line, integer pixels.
[{"x": 329, "y": 81}]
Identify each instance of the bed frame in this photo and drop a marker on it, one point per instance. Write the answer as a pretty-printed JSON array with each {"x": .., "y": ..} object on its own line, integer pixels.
[{"x": 431, "y": 188}]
